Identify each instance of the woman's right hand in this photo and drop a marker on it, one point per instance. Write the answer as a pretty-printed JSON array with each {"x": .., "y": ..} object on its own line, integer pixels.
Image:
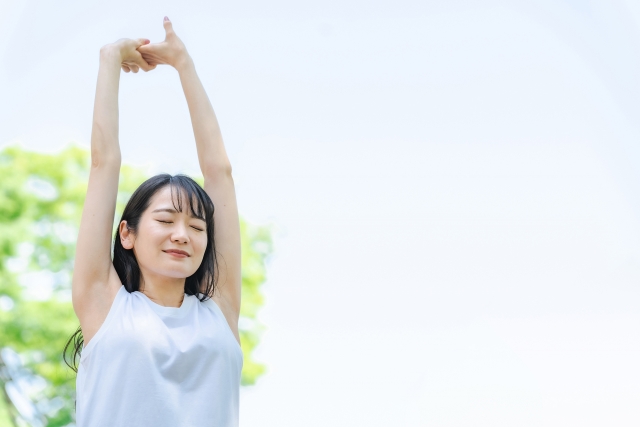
[{"x": 130, "y": 58}]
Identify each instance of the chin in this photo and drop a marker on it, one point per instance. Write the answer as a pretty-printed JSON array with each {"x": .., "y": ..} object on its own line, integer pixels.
[
  {"x": 173, "y": 271},
  {"x": 178, "y": 274}
]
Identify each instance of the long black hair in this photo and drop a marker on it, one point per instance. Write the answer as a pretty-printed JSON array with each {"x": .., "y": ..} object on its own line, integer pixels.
[{"x": 124, "y": 261}]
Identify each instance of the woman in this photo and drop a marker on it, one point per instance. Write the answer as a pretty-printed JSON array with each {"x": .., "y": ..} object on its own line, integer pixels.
[{"x": 160, "y": 320}]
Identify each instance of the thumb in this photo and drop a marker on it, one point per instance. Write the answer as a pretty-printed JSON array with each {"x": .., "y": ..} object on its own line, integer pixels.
[
  {"x": 143, "y": 41},
  {"x": 168, "y": 27}
]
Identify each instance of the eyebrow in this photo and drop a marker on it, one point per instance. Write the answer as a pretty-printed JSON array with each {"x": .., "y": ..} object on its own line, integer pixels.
[{"x": 173, "y": 211}]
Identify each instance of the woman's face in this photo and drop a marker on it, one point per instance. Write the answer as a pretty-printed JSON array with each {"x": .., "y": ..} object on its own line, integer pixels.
[{"x": 162, "y": 233}]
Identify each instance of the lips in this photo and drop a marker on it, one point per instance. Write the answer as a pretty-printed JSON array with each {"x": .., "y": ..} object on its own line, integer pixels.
[{"x": 176, "y": 251}]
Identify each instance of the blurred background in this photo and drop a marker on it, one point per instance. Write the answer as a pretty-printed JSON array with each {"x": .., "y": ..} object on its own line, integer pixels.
[{"x": 452, "y": 191}]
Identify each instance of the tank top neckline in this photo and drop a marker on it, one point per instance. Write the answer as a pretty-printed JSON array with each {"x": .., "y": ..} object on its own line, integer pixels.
[{"x": 164, "y": 311}]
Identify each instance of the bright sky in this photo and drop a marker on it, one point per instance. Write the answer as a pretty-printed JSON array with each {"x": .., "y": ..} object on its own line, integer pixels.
[{"x": 456, "y": 187}]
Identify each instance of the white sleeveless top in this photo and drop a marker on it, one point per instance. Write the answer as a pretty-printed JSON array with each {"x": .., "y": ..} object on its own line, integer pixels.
[{"x": 155, "y": 366}]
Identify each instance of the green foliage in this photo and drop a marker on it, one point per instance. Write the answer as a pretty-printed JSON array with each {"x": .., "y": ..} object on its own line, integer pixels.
[
  {"x": 41, "y": 201},
  {"x": 256, "y": 246},
  {"x": 5, "y": 420}
]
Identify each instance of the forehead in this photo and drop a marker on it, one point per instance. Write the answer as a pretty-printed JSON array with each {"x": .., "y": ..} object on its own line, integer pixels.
[{"x": 163, "y": 199}]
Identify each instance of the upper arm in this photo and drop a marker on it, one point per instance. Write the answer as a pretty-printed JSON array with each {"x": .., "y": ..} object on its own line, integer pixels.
[
  {"x": 95, "y": 282},
  {"x": 221, "y": 190}
]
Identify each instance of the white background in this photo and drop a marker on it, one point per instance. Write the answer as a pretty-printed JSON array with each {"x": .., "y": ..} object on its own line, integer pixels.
[{"x": 455, "y": 186}]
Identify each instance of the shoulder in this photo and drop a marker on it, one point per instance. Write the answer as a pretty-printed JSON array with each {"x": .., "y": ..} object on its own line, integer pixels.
[
  {"x": 92, "y": 304},
  {"x": 219, "y": 306}
]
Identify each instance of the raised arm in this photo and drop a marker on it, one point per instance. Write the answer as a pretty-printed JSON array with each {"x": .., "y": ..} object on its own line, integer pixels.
[
  {"x": 218, "y": 183},
  {"x": 215, "y": 167},
  {"x": 95, "y": 281}
]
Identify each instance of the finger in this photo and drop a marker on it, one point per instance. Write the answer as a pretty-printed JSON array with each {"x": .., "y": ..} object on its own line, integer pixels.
[
  {"x": 150, "y": 64},
  {"x": 168, "y": 26},
  {"x": 125, "y": 68},
  {"x": 151, "y": 67},
  {"x": 152, "y": 50},
  {"x": 146, "y": 53},
  {"x": 134, "y": 68},
  {"x": 142, "y": 42},
  {"x": 151, "y": 60},
  {"x": 142, "y": 63},
  {"x": 138, "y": 60}
]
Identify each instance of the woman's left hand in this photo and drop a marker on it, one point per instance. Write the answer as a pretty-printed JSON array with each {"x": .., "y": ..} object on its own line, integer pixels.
[{"x": 171, "y": 51}]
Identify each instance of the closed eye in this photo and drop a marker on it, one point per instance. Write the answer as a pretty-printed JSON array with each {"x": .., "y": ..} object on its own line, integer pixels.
[{"x": 169, "y": 222}]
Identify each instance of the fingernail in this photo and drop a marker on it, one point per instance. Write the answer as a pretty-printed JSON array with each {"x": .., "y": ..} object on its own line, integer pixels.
[{"x": 166, "y": 18}]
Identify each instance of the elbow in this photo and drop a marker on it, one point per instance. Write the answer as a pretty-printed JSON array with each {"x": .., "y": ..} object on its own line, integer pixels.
[
  {"x": 105, "y": 148},
  {"x": 217, "y": 170},
  {"x": 105, "y": 160}
]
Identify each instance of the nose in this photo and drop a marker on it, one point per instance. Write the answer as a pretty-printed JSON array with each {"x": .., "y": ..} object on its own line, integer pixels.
[{"x": 180, "y": 234}]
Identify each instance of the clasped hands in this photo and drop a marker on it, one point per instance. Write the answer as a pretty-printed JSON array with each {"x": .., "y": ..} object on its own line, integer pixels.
[{"x": 136, "y": 54}]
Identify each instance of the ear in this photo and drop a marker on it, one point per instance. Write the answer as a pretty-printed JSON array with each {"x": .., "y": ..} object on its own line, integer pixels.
[{"x": 126, "y": 236}]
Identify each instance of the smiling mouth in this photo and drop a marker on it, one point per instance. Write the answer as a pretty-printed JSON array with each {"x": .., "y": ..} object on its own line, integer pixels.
[{"x": 177, "y": 254}]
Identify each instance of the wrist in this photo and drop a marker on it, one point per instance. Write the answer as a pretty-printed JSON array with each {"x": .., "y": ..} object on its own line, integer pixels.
[
  {"x": 183, "y": 63},
  {"x": 110, "y": 53}
]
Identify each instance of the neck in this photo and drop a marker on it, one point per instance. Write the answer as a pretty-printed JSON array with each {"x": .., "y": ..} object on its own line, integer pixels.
[{"x": 165, "y": 291}]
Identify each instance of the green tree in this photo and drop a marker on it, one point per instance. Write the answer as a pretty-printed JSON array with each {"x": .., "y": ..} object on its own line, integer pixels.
[{"x": 41, "y": 199}]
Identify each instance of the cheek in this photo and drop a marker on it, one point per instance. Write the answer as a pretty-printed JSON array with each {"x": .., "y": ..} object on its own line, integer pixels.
[
  {"x": 200, "y": 244},
  {"x": 151, "y": 237}
]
